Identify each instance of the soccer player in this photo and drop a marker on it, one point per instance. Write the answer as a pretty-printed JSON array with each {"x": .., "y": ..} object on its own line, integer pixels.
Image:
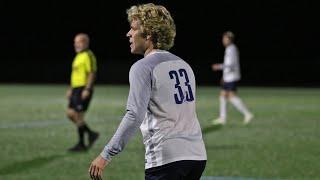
[
  {"x": 83, "y": 75},
  {"x": 161, "y": 102},
  {"x": 231, "y": 75}
]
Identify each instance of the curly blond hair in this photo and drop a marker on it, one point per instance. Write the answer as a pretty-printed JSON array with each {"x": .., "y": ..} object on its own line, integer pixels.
[{"x": 155, "y": 21}]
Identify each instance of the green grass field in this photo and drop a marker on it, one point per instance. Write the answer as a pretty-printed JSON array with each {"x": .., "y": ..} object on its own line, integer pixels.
[{"x": 282, "y": 142}]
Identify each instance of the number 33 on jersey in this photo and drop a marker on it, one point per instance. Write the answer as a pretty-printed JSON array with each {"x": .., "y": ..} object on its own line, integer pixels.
[{"x": 183, "y": 89}]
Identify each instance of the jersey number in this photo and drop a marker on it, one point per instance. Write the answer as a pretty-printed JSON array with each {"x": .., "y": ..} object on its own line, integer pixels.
[{"x": 180, "y": 95}]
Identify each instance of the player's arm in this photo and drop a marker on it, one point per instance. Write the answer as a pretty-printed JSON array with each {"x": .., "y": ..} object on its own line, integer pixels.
[
  {"x": 217, "y": 67},
  {"x": 138, "y": 100},
  {"x": 230, "y": 60}
]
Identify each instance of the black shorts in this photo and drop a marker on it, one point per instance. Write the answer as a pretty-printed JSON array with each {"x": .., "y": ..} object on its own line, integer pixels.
[
  {"x": 186, "y": 170},
  {"x": 76, "y": 102},
  {"x": 229, "y": 86}
]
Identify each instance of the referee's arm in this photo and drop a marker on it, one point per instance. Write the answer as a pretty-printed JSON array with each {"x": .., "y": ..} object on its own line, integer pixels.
[{"x": 90, "y": 80}]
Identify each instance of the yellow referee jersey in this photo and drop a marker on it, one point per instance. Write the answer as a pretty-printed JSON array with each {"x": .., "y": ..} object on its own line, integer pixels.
[{"x": 83, "y": 64}]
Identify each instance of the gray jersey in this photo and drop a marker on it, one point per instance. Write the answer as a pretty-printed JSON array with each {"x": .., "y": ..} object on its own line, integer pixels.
[
  {"x": 231, "y": 66},
  {"x": 162, "y": 103}
]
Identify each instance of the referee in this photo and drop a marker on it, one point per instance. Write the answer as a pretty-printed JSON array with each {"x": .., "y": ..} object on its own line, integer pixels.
[{"x": 84, "y": 68}]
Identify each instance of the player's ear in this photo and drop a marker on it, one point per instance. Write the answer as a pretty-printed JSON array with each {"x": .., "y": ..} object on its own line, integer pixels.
[{"x": 149, "y": 37}]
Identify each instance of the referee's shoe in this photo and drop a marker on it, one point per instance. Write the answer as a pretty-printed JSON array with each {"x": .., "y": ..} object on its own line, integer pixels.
[{"x": 80, "y": 147}]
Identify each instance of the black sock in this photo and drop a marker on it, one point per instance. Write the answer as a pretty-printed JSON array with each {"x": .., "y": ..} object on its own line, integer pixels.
[
  {"x": 86, "y": 128},
  {"x": 81, "y": 130}
]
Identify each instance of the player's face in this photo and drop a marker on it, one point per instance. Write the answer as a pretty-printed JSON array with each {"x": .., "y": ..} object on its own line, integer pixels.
[
  {"x": 136, "y": 39},
  {"x": 80, "y": 44},
  {"x": 225, "y": 41}
]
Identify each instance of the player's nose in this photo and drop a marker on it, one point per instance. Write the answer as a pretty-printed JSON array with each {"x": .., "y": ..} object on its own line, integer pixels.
[{"x": 128, "y": 34}]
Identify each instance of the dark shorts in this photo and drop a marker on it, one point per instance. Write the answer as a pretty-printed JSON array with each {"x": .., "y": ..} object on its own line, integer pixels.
[
  {"x": 76, "y": 102},
  {"x": 186, "y": 170},
  {"x": 229, "y": 86}
]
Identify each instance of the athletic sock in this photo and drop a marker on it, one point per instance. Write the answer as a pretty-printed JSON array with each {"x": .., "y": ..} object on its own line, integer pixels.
[
  {"x": 223, "y": 107},
  {"x": 86, "y": 128},
  {"x": 236, "y": 101},
  {"x": 81, "y": 130}
]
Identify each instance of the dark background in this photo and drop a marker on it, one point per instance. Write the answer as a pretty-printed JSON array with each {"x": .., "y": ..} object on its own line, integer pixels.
[{"x": 278, "y": 40}]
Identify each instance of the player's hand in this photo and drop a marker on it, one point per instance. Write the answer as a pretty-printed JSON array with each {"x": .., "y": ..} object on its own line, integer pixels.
[
  {"x": 96, "y": 168},
  {"x": 68, "y": 93},
  {"x": 85, "y": 94},
  {"x": 216, "y": 67}
]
